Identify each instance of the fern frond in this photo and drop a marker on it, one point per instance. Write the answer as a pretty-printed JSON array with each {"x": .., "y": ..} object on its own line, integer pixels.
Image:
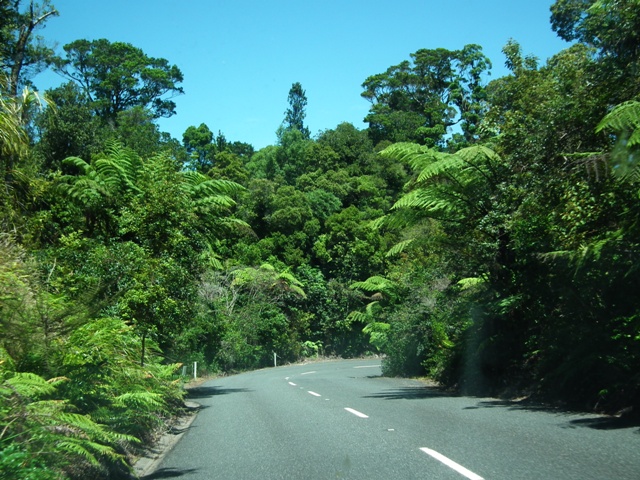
[
  {"x": 417, "y": 156},
  {"x": 298, "y": 291},
  {"x": 372, "y": 308},
  {"x": 478, "y": 154},
  {"x": 289, "y": 278},
  {"x": 93, "y": 430},
  {"x": 74, "y": 448},
  {"x": 379, "y": 222},
  {"x": 400, "y": 247},
  {"x": 624, "y": 117},
  {"x": 376, "y": 327},
  {"x": 198, "y": 185},
  {"x": 29, "y": 385},
  {"x": 79, "y": 163},
  {"x": 426, "y": 200},
  {"x": 214, "y": 202},
  {"x": 356, "y": 316},
  {"x": 375, "y": 284},
  {"x": 139, "y": 400},
  {"x": 442, "y": 164},
  {"x": 470, "y": 282}
]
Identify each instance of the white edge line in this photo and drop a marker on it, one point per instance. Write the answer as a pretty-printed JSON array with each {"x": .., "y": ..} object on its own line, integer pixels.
[
  {"x": 356, "y": 413},
  {"x": 292, "y": 384},
  {"x": 314, "y": 393},
  {"x": 451, "y": 464},
  {"x": 368, "y": 366}
]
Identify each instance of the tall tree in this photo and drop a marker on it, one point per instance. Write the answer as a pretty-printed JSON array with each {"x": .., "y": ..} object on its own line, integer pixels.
[
  {"x": 118, "y": 76},
  {"x": 20, "y": 49},
  {"x": 294, "y": 115},
  {"x": 70, "y": 129},
  {"x": 612, "y": 29},
  {"x": 420, "y": 100},
  {"x": 199, "y": 144},
  {"x": 611, "y": 26}
]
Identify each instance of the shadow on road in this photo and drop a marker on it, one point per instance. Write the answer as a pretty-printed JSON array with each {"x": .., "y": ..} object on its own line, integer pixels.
[
  {"x": 598, "y": 422},
  {"x": 168, "y": 473},
  {"x": 408, "y": 393},
  {"x": 204, "y": 392}
]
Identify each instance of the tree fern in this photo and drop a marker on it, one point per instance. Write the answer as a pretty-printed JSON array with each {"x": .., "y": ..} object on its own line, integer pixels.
[
  {"x": 416, "y": 156},
  {"x": 625, "y": 121},
  {"x": 399, "y": 247},
  {"x": 455, "y": 188},
  {"x": 143, "y": 400},
  {"x": 624, "y": 118},
  {"x": 45, "y": 429},
  {"x": 378, "y": 334},
  {"x": 377, "y": 284},
  {"x": 30, "y": 385},
  {"x": 267, "y": 277},
  {"x": 111, "y": 176}
]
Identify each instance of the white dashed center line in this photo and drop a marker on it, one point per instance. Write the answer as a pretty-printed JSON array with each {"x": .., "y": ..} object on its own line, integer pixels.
[
  {"x": 308, "y": 373},
  {"x": 314, "y": 393},
  {"x": 292, "y": 384},
  {"x": 356, "y": 413},
  {"x": 451, "y": 464}
]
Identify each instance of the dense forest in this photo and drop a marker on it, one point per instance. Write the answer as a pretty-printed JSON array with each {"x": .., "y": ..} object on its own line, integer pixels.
[{"x": 485, "y": 234}]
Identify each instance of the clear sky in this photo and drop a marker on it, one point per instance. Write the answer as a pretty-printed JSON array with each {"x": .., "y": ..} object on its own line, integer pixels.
[{"x": 240, "y": 57}]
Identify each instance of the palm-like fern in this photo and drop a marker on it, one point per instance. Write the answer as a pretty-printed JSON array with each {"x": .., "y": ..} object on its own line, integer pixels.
[
  {"x": 13, "y": 137},
  {"x": 41, "y": 430},
  {"x": 449, "y": 187},
  {"x": 624, "y": 118},
  {"x": 268, "y": 278},
  {"x": 212, "y": 199},
  {"x": 625, "y": 121},
  {"x": 380, "y": 289},
  {"x": 106, "y": 179},
  {"x": 377, "y": 285},
  {"x": 102, "y": 187}
]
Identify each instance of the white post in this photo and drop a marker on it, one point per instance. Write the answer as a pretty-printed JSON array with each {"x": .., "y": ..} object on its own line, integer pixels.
[
  {"x": 275, "y": 361},
  {"x": 195, "y": 370}
]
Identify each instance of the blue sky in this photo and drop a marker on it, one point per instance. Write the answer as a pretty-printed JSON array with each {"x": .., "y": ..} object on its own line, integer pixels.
[{"x": 240, "y": 57}]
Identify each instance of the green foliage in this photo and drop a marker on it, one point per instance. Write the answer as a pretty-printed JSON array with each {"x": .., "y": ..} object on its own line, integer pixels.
[
  {"x": 118, "y": 76},
  {"x": 624, "y": 119},
  {"x": 508, "y": 263},
  {"x": 252, "y": 309},
  {"x": 23, "y": 53},
  {"x": 610, "y": 26},
  {"x": 349, "y": 246},
  {"x": 419, "y": 101},
  {"x": 378, "y": 334},
  {"x": 42, "y": 437},
  {"x": 295, "y": 113},
  {"x": 107, "y": 381},
  {"x": 67, "y": 128}
]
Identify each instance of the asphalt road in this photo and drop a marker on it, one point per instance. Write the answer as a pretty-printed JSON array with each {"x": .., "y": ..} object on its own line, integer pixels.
[{"x": 342, "y": 420}]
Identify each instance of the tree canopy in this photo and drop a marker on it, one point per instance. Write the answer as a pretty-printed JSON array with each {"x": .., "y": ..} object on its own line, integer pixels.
[
  {"x": 485, "y": 234},
  {"x": 23, "y": 53},
  {"x": 117, "y": 76},
  {"x": 420, "y": 100}
]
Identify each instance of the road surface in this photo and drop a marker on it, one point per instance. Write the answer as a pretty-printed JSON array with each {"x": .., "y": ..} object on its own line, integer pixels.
[{"x": 342, "y": 420}]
